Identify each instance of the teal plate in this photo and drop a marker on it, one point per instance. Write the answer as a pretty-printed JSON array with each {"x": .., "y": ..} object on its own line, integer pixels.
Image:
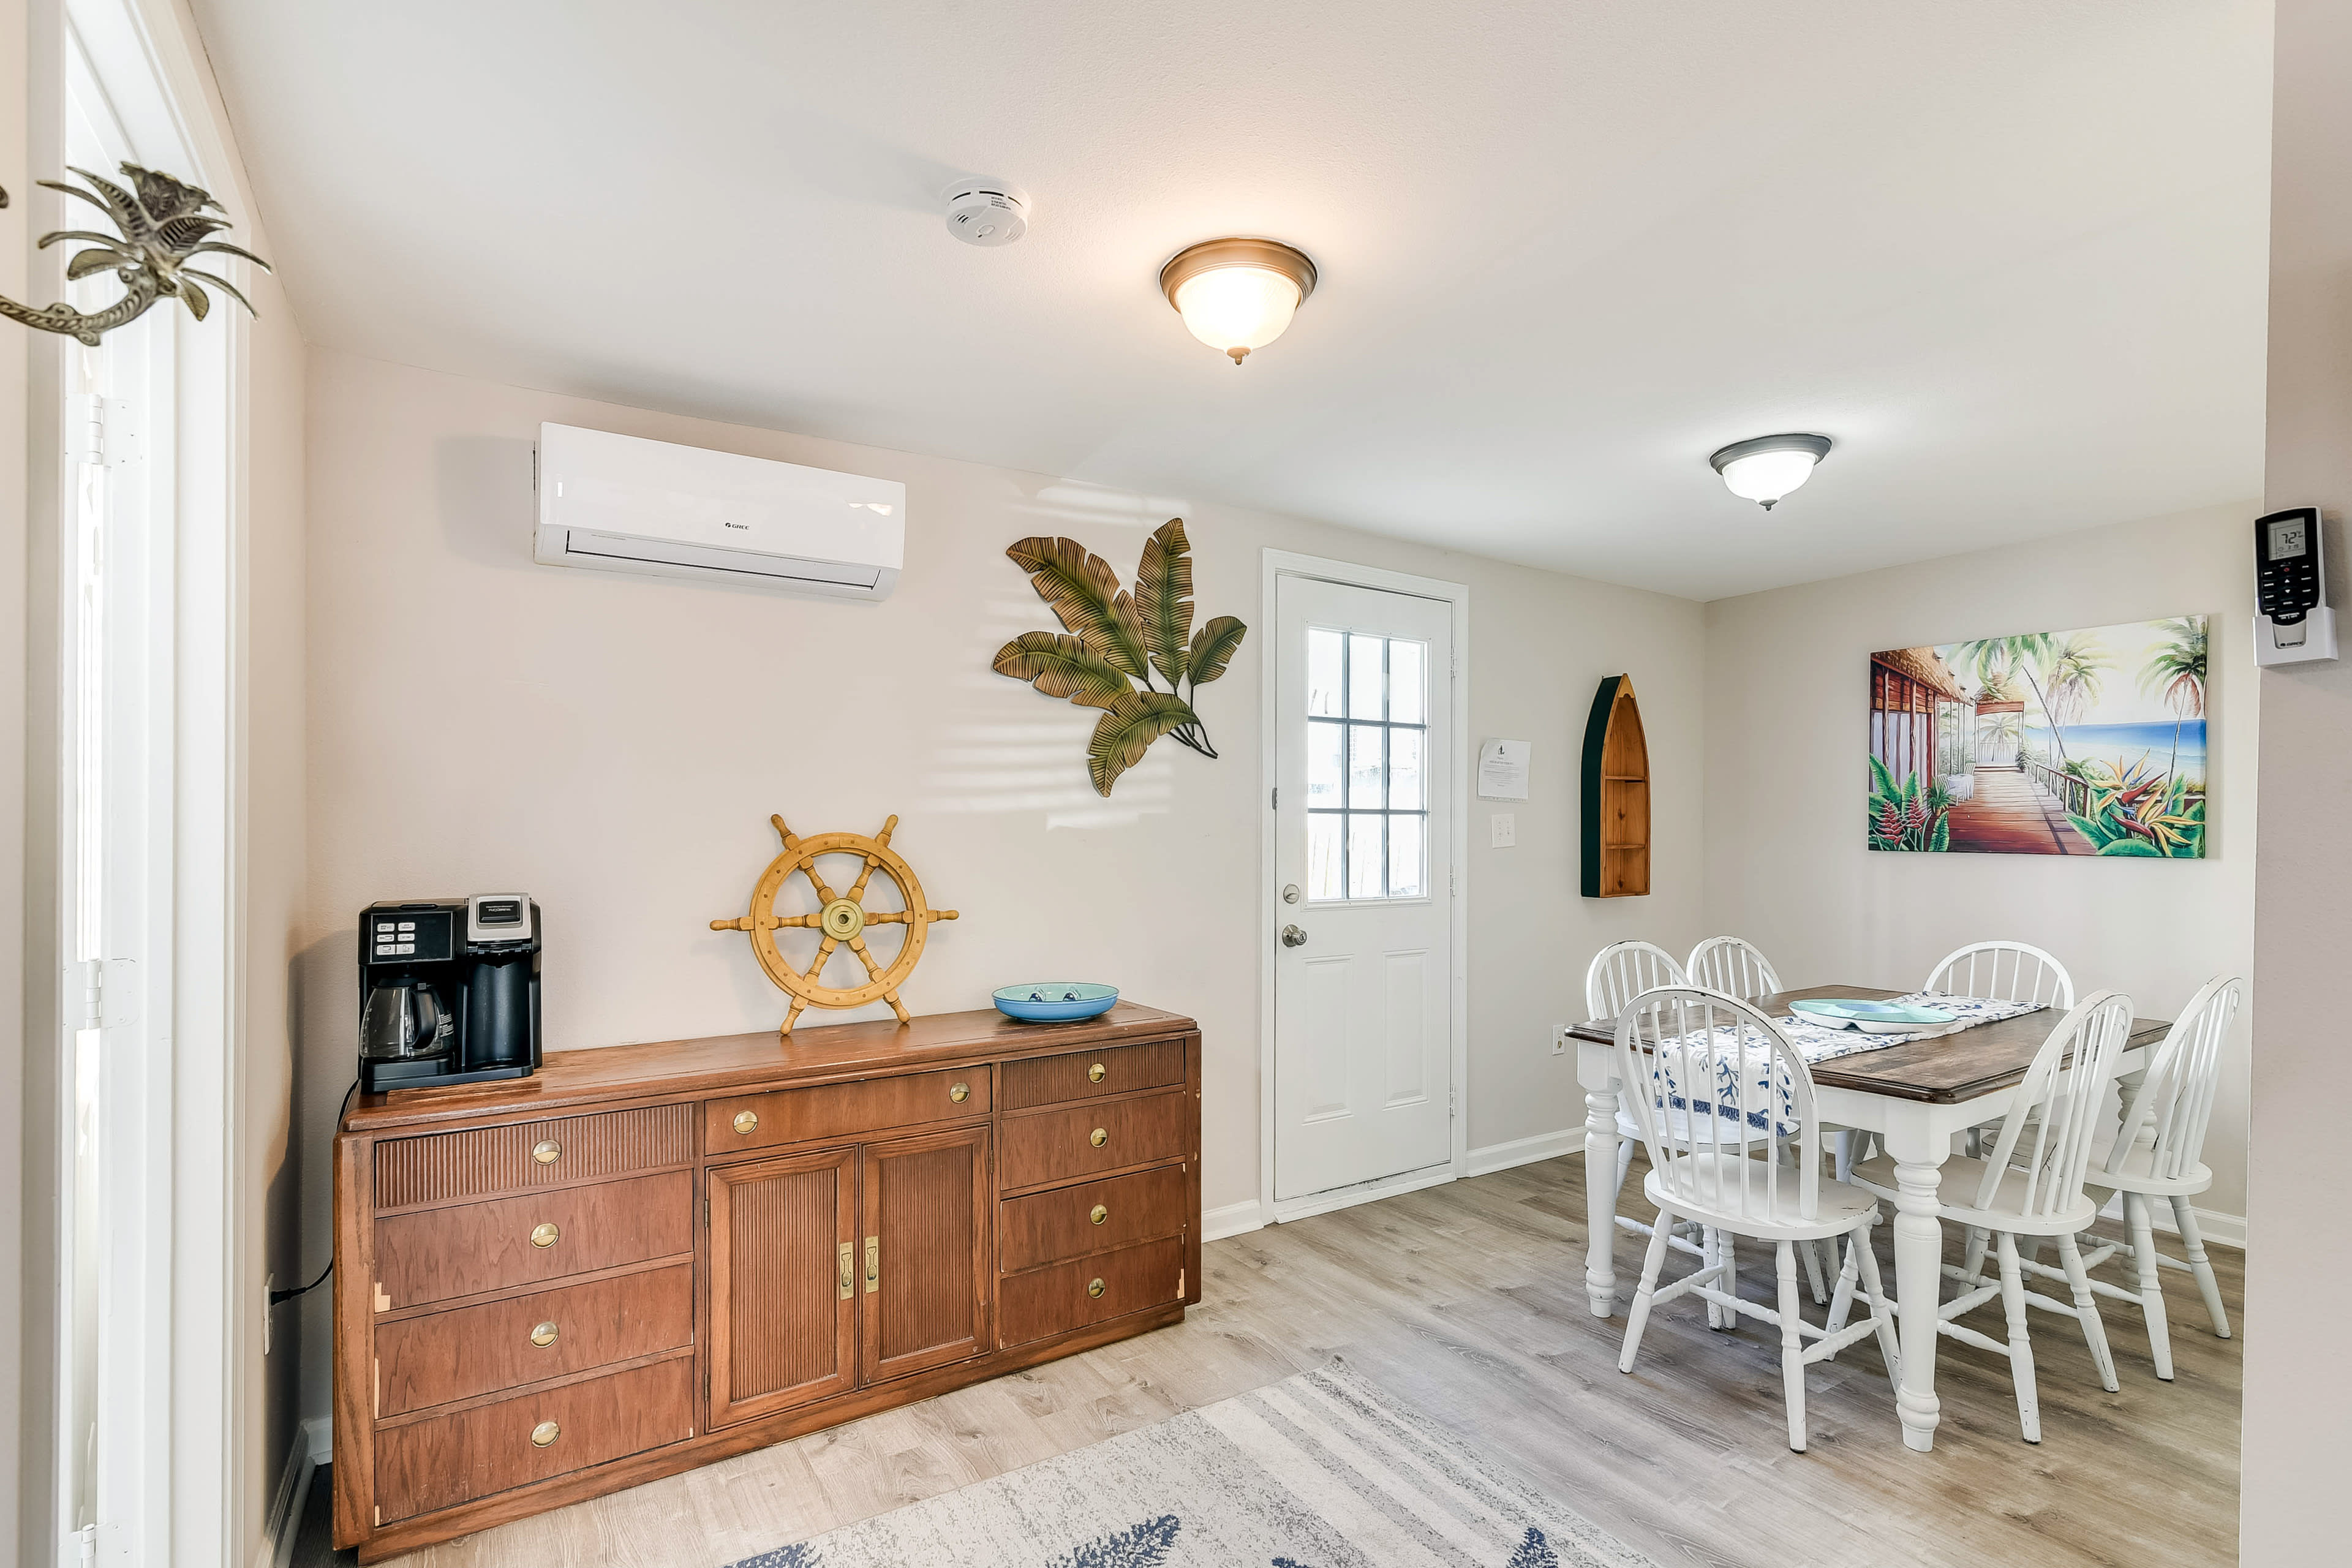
[
  {"x": 1872, "y": 1017},
  {"x": 1055, "y": 1000}
]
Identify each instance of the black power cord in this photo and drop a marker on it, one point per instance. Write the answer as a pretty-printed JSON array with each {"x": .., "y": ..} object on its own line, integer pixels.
[{"x": 277, "y": 1298}]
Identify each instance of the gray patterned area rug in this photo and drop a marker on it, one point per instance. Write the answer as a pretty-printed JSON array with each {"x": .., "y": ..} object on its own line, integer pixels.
[{"x": 1321, "y": 1470}]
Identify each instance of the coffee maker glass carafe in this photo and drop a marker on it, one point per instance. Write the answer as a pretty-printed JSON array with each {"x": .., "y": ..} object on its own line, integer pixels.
[{"x": 404, "y": 1022}]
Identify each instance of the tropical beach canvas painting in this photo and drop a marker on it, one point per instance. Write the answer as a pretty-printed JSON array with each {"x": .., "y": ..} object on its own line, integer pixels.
[{"x": 2081, "y": 743}]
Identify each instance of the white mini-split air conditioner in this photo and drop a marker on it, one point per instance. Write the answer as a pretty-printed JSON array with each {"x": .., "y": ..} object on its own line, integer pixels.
[{"x": 617, "y": 503}]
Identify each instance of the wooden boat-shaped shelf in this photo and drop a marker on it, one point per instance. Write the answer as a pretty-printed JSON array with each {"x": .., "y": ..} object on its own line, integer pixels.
[{"x": 1616, "y": 796}]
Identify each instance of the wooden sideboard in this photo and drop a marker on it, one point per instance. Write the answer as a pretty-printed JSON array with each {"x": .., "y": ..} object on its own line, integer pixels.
[{"x": 646, "y": 1257}]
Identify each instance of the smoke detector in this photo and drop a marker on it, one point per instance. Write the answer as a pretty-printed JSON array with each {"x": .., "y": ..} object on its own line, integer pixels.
[{"x": 986, "y": 212}]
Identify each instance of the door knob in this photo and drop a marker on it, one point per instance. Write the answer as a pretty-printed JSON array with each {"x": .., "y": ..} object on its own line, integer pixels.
[{"x": 1293, "y": 937}]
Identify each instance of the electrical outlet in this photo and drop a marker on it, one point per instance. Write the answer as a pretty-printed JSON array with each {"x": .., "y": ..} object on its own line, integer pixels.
[
  {"x": 1559, "y": 1039},
  {"x": 268, "y": 1282},
  {"x": 1504, "y": 829}
]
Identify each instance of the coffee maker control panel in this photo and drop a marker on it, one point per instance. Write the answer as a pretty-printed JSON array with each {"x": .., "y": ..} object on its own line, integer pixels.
[{"x": 418, "y": 936}]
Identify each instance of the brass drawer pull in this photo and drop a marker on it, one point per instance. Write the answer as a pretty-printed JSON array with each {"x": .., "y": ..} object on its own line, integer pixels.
[
  {"x": 544, "y": 1234},
  {"x": 547, "y": 1151},
  {"x": 1095, "y": 1073},
  {"x": 1094, "y": 1287},
  {"x": 544, "y": 1335},
  {"x": 1099, "y": 1215},
  {"x": 747, "y": 1122},
  {"x": 543, "y": 1434},
  {"x": 1097, "y": 1137},
  {"x": 873, "y": 1264},
  {"x": 848, "y": 1281},
  {"x": 960, "y": 1093}
]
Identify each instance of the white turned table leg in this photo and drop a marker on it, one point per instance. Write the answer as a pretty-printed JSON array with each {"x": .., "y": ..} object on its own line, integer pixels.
[
  {"x": 1600, "y": 1182},
  {"x": 1919, "y": 1276}
]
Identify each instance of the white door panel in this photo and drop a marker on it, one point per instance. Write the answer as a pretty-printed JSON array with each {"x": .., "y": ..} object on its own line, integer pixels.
[{"x": 1362, "y": 886}]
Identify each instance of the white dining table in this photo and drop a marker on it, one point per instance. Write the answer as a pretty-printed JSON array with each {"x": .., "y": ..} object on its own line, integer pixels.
[{"x": 1916, "y": 1097}]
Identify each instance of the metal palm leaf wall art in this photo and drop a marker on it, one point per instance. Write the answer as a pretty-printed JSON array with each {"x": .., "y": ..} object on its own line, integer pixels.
[
  {"x": 162, "y": 225},
  {"x": 1114, "y": 640}
]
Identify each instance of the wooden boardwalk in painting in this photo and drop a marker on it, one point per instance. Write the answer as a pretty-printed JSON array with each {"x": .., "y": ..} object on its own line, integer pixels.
[{"x": 2011, "y": 814}]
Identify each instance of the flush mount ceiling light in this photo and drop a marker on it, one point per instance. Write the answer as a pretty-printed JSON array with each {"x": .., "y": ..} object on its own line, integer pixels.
[
  {"x": 1770, "y": 467},
  {"x": 1236, "y": 295}
]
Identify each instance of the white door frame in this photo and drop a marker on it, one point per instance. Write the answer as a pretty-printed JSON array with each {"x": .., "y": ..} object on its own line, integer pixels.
[
  {"x": 193, "y": 1235},
  {"x": 1277, "y": 565}
]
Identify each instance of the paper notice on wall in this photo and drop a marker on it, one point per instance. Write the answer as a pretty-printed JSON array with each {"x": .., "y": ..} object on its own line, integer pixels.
[{"x": 1503, "y": 769}]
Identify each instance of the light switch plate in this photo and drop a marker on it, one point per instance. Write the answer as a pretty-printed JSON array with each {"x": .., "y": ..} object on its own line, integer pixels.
[{"x": 1505, "y": 829}]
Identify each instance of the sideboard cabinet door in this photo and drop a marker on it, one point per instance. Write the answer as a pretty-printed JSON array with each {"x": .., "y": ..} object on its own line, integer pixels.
[
  {"x": 784, "y": 1290},
  {"x": 927, "y": 1213}
]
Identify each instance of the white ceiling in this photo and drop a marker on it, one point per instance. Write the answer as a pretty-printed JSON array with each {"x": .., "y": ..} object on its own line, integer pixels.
[{"x": 2010, "y": 254}]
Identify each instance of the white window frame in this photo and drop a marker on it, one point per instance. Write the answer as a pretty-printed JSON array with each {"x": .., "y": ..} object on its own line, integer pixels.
[
  {"x": 1275, "y": 566},
  {"x": 187, "y": 1509}
]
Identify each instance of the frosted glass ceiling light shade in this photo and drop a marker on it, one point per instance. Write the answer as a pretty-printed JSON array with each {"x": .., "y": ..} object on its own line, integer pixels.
[
  {"x": 1768, "y": 467},
  {"x": 1236, "y": 295}
]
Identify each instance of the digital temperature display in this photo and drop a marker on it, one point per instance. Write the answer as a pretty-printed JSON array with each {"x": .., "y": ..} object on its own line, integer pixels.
[{"x": 2290, "y": 539}]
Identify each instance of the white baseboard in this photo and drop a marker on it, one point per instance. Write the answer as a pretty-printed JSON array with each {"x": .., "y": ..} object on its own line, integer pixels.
[
  {"x": 1233, "y": 1219},
  {"x": 1527, "y": 1151},
  {"x": 2218, "y": 1229},
  {"x": 312, "y": 1447}
]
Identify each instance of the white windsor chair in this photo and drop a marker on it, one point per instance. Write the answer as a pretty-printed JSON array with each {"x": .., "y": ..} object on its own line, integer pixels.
[
  {"x": 2156, "y": 1152},
  {"x": 1622, "y": 972},
  {"x": 1713, "y": 1084},
  {"x": 2032, "y": 1186}
]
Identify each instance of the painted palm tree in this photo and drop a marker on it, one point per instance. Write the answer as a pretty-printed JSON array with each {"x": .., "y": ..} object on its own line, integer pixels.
[
  {"x": 2175, "y": 673},
  {"x": 2075, "y": 673},
  {"x": 1996, "y": 658}
]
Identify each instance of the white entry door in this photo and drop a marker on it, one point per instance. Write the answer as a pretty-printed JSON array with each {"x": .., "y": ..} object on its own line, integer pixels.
[{"x": 1362, "y": 886}]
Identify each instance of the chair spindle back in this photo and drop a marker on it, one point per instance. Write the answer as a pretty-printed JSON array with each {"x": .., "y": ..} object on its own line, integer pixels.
[
  {"x": 2054, "y": 1119},
  {"x": 1732, "y": 966},
  {"x": 1712, "y": 1082},
  {"x": 2176, "y": 1101},
  {"x": 1623, "y": 971},
  {"x": 2004, "y": 972}
]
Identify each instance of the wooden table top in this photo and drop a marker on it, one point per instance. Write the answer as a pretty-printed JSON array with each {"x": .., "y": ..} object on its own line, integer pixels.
[
  {"x": 724, "y": 1064},
  {"x": 1944, "y": 1071}
]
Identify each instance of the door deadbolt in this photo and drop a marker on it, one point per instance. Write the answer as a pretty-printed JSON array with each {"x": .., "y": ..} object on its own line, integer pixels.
[
  {"x": 1290, "y": 892},
  {"x": 1293, "y": 937}
]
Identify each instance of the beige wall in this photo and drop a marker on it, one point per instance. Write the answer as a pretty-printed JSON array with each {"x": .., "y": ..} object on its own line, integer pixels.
[
  {"x": 1787, "y": 720},
  {"x": 268, "y": 1236},
  {"x": 2298, "y": 1398},
  {"x": 612, "y": 745}
]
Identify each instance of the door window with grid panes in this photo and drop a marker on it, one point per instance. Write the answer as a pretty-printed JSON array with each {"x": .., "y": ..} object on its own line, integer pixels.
[{"x": 1367, "y": 782}]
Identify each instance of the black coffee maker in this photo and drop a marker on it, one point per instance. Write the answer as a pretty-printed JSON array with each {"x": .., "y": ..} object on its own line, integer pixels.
[{"x": 449, "y": 990}]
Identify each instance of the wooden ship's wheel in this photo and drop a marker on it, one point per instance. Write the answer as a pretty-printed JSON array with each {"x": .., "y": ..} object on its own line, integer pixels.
[{"x": 841, "y": 921}]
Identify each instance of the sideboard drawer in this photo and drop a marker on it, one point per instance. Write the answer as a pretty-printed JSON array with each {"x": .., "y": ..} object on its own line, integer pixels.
[
  {"x": 843, "y": 1109},
  {"x": 1083, "y": 1075},
  {"x": 1054, "y": 1301},
  {"x": 434, "y": 1255},
  {"x": 1050, "y": 1145},
  {"x": 1091, "y": 1217},
  {"x": 444, "y": 1356},
  {"x": 445, "y": 1460},
  {"x": 484, "y": 1162}
]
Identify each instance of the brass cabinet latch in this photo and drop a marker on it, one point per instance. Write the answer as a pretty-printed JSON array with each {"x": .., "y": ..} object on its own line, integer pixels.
[
  {"x": 848, "y": 1269},
  {"x": 873, "y": 1264}
]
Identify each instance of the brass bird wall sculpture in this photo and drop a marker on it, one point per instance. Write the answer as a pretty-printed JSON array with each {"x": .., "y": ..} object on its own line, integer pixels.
[{"x": 162, "y": 225}]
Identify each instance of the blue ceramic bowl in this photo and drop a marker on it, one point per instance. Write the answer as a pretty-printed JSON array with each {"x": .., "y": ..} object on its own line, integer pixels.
[{"x": 1055, "y": 1000}]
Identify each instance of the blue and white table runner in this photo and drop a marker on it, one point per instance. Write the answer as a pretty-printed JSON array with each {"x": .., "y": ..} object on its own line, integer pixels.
[{"x": 1817, "y": 1043}]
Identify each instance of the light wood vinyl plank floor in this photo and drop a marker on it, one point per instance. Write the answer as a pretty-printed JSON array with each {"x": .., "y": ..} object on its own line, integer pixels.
[{"x": 1467, "y": 1300}]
